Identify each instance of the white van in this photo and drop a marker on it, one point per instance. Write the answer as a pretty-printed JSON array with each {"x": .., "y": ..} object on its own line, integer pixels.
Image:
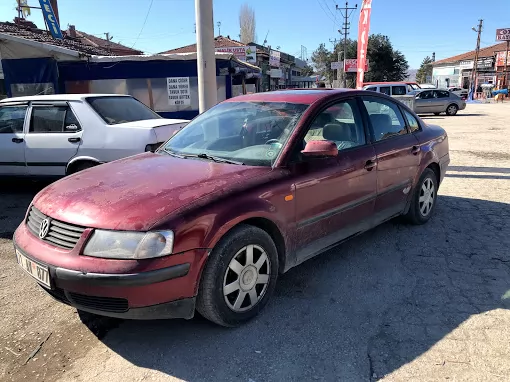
[
  {"x": 57, "y": 135},
  {"x": 391, "y": 88}
]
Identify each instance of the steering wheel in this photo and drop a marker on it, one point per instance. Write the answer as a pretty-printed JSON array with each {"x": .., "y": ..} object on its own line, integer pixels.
[{"x": 271, "y": 141}]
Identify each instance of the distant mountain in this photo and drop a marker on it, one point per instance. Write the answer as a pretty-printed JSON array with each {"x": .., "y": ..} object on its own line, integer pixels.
[{"x": 411, "y": 74}]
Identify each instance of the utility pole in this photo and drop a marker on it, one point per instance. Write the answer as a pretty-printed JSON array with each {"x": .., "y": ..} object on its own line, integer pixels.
[
  {"x": 346, "y": 13},
  {"x": 108, "y": 39},
  {"x": 206, "y": 60},
  {"x": 475, "y": 63},
  {"x": 339, "y": 57},
  {"x": 505, "y": 71},
  {"x": 219, "y": 27}
]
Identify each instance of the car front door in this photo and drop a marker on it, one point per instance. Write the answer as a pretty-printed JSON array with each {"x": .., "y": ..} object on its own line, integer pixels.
[
  {"x": 397, "y": 152},
  {"x": 422, "y": 102},
  {"x": 334, "y": 196},
  {"x": 53, "y": 138},
  {"x": 12, "y": 139}
]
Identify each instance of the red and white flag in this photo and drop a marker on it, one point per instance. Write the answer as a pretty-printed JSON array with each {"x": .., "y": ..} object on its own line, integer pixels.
[{"x": 363, "y": 30}]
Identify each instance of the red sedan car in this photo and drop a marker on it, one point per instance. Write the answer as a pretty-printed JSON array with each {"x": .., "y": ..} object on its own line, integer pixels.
[{"x": 249, "y": 189}]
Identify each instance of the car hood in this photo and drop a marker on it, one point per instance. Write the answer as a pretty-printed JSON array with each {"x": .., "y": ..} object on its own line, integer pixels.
[{"x": 137, "y": 192}]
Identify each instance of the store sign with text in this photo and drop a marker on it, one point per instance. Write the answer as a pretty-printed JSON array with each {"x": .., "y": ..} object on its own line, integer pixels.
[
  {"x": 178, "y": 91},
  {"x": 242, "y": 53},
  {"x": 274, "y": 58},
  {"x": 51, "y": 20},
  {"x": 485, "y": 63},
  {"x": 500, "y": 59},
  {"x": 351, "y": 65},
  {"x": 503, "y": 34}
]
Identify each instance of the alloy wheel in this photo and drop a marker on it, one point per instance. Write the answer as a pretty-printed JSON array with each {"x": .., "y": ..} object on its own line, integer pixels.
[
  {"x": 246, "y": 278},
  {"x": 427, "y": 196}
]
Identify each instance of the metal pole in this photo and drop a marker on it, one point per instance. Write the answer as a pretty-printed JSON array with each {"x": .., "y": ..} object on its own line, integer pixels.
[
  {"x": 346, "y": 26},
  {"x": 475, "y": 64},
  {"x": 505, "y": 74},
  {"x": 206, "y": 61}
]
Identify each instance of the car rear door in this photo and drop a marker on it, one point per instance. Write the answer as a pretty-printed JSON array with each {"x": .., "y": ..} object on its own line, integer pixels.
[
  {"x": 441, "y": 101},
  {"x": 423, "y": 102},
  {"x": 334, "y": 196},
  {"x": 53, "y": 138},
  {"x": 397, "y": 152},
  {"x": 12, "y": 139}
]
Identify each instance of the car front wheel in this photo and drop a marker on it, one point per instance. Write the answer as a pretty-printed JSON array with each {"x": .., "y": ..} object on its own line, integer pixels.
[
  {"x": 452, "y": 109},
  {"x": 424, "y": 198},
  {"x": 239, "y": 277}
]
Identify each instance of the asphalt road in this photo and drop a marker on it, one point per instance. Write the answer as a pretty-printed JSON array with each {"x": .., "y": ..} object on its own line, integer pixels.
[{"x": 398, "y": 303}]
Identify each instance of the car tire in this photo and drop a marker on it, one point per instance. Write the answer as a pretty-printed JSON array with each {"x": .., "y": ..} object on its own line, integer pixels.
[
  {"x": 231, "y": 280},
  {"x": 452, "y": 109},
  {"x": 424, "y": 198}
]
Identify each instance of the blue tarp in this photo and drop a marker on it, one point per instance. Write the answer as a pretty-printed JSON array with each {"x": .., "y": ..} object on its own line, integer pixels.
[{"x": 30, "y": 71}]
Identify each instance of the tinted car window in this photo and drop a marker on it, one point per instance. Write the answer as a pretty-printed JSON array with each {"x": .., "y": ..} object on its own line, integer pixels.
[
  {"x": 340, "y": 123},
  {"x": 429, "y": 94},
  {"x": 384, "y": 90},
  {"x": 398, "y": 90},
  {"x": 412, "y": 121},
  {"x": 372, "y": 89},
  {"x": 115, "y": 110},
  {"x": 441, "y": 94},
  {"x": 12, "y": 119},
  {"x": 385, "y": 118},
  {"x": 47, "y": 119}
]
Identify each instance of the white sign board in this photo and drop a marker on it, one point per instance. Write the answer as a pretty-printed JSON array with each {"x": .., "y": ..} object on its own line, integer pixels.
[
  {"x": 178, "y": 91},
  {"x": 274, "y": 58},
  {"x": 337, "y": 65},
  {"x": 242, "y": 53},
  {"x": 503, "y": 34}
]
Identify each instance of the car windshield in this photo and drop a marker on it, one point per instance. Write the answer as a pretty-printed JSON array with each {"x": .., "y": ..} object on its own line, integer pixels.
[
  {"x": 115, "y": 110},
  {"x": 414, "y": 86},
  {"x": 251, "y": 133}
]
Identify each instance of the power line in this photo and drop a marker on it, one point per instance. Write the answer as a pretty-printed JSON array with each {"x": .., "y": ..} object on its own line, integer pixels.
[
  {"x": 144, "y": 22},
  {"x": 326, "y": 13}
]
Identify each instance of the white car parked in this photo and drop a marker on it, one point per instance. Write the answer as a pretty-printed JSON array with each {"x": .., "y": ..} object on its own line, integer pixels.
[{"x": 56, "y": 135}]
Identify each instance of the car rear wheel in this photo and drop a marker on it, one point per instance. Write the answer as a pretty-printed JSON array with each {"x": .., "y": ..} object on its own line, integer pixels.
[
  {"x": 239, "y": 277},
  {"x": 424, "y": 198},
  {"x": 452, "y": 109}
]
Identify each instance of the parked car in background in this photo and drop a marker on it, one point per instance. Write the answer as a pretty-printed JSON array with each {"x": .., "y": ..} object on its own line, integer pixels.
[
  {"x": 211, "y": 219},
  {"x": 437, "y": 101},
  {"x": 462, "y": 93},
  {"x": 56, "y": 135},
  {"x": 392, "y": 88}
]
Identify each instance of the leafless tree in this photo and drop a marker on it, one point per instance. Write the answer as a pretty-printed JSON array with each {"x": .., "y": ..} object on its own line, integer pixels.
[{"x": 247, "y": 24}]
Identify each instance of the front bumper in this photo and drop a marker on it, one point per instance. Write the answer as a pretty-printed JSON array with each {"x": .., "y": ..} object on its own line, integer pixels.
[{"x": 135, "y": 289}]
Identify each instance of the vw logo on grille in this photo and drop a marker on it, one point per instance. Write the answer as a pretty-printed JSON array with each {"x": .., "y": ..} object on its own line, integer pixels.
[{"x": 44, "y": 228}]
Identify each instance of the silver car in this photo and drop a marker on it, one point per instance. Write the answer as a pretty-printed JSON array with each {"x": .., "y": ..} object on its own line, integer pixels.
[{"x": 437, "y": 101}]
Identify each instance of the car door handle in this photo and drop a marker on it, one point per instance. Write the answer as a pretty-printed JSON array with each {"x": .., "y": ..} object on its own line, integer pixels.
[
  {"x": 415, "y": 150},
  {"x": 74, "y": 140},
  {"x": 17, "y": 140},
  {"x": 370, "y": 165}
]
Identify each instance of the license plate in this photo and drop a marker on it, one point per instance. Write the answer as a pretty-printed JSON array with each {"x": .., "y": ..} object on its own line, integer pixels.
[{"x": 37, "y": 271}]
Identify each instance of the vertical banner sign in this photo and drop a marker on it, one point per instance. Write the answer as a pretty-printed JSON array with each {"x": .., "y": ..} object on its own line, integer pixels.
[
  {"x": 363, "y": 29},
  {"x": 178, "y": 91},
  {"x": 51, "y": 20}
]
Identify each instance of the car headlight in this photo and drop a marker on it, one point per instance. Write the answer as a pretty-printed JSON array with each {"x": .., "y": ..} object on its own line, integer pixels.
[{"x": 129, "y": 245}]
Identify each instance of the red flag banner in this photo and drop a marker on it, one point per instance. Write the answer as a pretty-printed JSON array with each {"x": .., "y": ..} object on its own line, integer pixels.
[{"x": 363, "y": 30}]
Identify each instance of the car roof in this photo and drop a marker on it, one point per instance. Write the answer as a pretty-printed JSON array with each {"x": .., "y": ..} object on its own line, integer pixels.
[
  {"x": 303, "y": 96},
  {"x": 59, "y": 97}
]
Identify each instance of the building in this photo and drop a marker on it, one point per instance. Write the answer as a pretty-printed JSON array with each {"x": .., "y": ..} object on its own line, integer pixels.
[{"x": 457, "y": 70}]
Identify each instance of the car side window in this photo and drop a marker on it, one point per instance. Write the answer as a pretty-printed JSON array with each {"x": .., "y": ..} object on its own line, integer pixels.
[
  {"x": 412, "y": 122},
  {"x": 385, "y": 117},
  {"x": 12, "y": 119},
  {"x": 47, "y": 119},
  {"x": 71, "y": 123},
  {"x": 385, "y": 90},
  {"x": 372, "y": 89},
  {"x": 442, "y": 94},
  {"x": 398, "y": 90},
  {"x": 340, "y": 123},
  {"x": 427, "y": 95}
]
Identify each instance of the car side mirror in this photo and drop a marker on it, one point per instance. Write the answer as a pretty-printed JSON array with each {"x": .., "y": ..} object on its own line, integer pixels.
[{"x": 320, "y": 149}]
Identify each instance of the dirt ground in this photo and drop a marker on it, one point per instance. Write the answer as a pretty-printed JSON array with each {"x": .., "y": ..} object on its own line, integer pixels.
[{"x": 398, "y": 303}]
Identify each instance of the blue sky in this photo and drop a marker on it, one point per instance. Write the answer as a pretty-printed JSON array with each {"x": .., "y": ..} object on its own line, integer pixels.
[{"x": 416, "y": 27}]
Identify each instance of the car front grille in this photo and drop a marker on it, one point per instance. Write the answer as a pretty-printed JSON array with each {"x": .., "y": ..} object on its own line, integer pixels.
[
  {"x": 105, "y": 304},
  {"x": 60, "y": 234}
]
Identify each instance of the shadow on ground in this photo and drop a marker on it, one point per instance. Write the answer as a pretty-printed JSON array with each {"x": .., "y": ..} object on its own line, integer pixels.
[{"x": 359, "y": 312}]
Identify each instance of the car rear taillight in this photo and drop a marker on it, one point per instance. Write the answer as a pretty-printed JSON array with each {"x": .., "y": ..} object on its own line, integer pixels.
[{"x": 153, "y": 147}]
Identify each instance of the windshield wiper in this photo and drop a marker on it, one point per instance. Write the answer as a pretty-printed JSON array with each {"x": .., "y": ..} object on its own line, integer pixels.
[
  {"x": 211, "y": 157},
  {"x": 169, "y": 152}
]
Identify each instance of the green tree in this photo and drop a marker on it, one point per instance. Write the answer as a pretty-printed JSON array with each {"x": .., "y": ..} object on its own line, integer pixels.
[
  {"x": 307, "y": 70},
  {"x": 424, "y": 71},
  {"x": 385, "y": 63}
]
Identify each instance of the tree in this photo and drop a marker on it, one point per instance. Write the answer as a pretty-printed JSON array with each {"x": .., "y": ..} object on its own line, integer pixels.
[
  {"x": 424, "y": 71},
  {"x": 307, "y": 71},
  {"x": 385, "y": 63},
  {"x": 247, "y": 24}
]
